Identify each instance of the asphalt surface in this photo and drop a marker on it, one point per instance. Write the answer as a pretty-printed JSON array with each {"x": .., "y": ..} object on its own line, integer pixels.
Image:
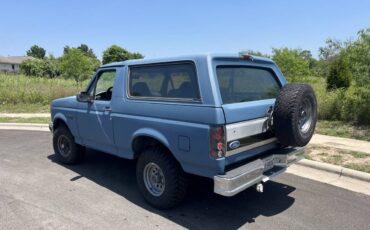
[{"x": 36, "y": 192}]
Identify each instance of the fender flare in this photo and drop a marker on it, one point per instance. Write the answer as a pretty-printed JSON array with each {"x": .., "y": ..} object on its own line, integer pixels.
[
  {"x": 62, "y": 117},
  {"x": 155, "y": 134}
]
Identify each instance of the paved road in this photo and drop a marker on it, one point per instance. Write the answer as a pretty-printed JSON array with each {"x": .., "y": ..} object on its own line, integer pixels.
[{"x": 37, "y": 192}]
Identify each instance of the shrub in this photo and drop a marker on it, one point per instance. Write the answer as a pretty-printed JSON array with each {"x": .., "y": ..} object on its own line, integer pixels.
[
  {"x": 355, "y": 108},
  {"x": 48, "y": 67},
  {"x": 339, "y": 74}
]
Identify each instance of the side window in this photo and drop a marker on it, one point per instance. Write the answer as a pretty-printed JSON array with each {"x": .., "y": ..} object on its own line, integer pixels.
[
  {"x": 104, "y": 86},
  {"x": 169, "y": 81}
]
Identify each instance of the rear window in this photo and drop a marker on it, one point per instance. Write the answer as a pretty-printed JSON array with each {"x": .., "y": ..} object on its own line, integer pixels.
[
  {"x": 177, "y": 81},
  {"x": 242, "y": 83}
]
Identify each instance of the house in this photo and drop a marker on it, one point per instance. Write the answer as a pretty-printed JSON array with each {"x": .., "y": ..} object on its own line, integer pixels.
[{"x": 10, "y": 64}]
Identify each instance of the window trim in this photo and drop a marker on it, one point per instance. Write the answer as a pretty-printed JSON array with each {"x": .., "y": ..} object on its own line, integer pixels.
[
  {"x": 95, "y": 79},
  {"x": 276, "y": 78},
  {"x": 162, "y": 99}
]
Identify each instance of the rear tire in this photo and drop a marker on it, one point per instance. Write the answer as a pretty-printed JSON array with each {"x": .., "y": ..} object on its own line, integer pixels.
[
  {"x": 295, "y": 115},
  {"x": 160, "y": 178},
  {"x": 65, "y": 147}
]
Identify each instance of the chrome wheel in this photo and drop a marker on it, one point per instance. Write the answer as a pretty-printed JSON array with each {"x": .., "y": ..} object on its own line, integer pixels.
[
  {"x": 305, "y": 116},
  {"x": 154, "y": 179},
  {"x": 64, "y": 146}
]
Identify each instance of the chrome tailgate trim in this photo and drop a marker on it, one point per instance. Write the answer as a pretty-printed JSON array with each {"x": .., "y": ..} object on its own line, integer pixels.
[{"x": 246, "y": 128}]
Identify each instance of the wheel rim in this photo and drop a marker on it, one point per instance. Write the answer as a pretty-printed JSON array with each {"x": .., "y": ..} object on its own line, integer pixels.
[
  {"x": 154, "y": 179},
  {"x": 305, "y": 116},
  {"x": 64, "y": 146}
]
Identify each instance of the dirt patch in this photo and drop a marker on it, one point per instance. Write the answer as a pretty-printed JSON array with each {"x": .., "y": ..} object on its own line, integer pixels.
[{"x": 346, "y": 158}]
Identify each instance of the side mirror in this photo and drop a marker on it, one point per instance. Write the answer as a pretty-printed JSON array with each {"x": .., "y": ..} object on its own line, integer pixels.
[{"x": 84, "y": 97}]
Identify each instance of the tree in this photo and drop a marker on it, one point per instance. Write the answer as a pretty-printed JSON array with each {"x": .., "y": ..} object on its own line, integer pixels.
[
  {"x": 339, "y": 73},
  {"x": 358, "y": 51},
  {"x": 331, "y": 50},
  {"x": 307, "y": 55},
  {"x": 291, "y": 63},
  {"x": 77, "y": 65},
  {"x": 88, "y": 51},
  {"x": 36, "y": 52},
  {"x": 116, "y": 53}
]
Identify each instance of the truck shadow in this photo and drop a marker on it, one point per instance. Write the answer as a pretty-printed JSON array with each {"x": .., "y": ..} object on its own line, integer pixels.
[{"x": 201, "y": 209}]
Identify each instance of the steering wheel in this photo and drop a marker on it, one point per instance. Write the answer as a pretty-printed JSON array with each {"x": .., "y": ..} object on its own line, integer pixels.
[{"x": 109, "y": 93}]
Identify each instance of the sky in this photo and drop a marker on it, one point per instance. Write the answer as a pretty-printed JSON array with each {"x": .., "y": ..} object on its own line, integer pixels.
[{"x": 170, "y": 28}]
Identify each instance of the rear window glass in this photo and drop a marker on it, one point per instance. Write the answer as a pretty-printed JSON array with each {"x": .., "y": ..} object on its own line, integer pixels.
[
  {"x": 164, "y": 81},
  {"x": 242, "y": 83}
]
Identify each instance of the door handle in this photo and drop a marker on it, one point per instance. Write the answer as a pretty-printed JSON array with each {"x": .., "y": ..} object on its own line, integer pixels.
[{"x": 107, "y": 109}]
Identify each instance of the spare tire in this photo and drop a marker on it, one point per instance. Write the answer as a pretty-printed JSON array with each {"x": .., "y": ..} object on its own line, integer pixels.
[{"x": 295, "y": 115}]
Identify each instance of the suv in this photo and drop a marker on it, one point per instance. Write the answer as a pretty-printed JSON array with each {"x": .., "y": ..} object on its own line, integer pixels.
[{"x": 232, "y": 118}]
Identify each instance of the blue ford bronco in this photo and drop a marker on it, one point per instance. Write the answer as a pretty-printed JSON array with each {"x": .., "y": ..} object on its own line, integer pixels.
[{"x": 231, "y": 118}]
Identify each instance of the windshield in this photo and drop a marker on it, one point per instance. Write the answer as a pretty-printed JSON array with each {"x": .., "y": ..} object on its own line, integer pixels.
[{"x": 243, "y": 83}]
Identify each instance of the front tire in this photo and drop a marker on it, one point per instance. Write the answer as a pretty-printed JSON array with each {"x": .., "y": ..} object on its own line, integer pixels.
[
  {"x": 160, "y": 178},
  {"x": 65, "y": 147}
]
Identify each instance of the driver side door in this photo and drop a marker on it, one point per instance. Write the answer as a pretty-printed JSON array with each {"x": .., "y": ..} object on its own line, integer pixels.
[{"x": 95, "y": 123}]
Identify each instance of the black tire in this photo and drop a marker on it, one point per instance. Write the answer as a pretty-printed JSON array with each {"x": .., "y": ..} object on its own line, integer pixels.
[
  {"x": 295, "y": 115},
  {"x": 63, "y": 139},
  {"x": 175, "y": 179}
]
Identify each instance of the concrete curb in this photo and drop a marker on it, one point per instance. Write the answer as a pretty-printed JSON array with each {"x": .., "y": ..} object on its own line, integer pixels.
[
  {"x": 341, "y": 171},
  {"x": 24, "y": 126}
]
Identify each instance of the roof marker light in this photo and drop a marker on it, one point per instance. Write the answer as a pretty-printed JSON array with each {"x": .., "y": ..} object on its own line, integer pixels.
[{"x": 246, "y": 57}]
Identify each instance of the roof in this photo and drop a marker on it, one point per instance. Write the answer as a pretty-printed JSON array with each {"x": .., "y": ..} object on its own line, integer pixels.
[
  {"x": 14, "y": 59},
  {"x": 183, "y": 58}
]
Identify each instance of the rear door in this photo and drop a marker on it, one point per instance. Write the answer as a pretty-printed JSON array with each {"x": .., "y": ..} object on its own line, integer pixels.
[{"x": 248, "y": 94}]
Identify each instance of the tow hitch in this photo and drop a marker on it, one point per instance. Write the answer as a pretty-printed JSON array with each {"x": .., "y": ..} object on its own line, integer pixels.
[{"x": 259, "y": 187}]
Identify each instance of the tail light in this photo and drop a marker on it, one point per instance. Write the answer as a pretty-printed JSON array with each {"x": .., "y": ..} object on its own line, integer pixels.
[{"x": 217, "y": 141}]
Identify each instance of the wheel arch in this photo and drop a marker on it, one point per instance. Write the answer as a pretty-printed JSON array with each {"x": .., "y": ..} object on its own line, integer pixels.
[
  {"x": 58, "y": 120},
  {"x": 145, "y": 138}
]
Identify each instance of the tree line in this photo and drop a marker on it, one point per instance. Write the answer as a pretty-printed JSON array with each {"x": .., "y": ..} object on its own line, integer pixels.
[
  {"x": 340, "y": 63},
  {"x": 77, "y": 63}
]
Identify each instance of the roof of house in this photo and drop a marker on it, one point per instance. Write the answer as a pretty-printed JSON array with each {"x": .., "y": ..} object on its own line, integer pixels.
[{"x": 14, "y": 59}]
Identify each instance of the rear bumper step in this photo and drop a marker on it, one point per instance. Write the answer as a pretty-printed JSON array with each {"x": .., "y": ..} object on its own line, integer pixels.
[{"x": 245, "y": 176}]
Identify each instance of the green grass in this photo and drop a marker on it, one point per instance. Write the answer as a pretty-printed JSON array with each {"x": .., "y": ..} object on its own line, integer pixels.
[
  {"x": 342, "y": 129},
  {"x": 39, "y": 120},
  {"x": 24, "y": 108}
]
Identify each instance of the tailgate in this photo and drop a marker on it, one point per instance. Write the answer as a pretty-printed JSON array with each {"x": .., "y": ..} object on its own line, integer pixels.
[
  {"x": 248, "y": 95},
  {"x": 248, "y": 127}
]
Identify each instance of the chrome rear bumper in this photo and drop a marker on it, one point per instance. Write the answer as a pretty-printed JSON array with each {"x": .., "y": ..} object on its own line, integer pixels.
[{"x": 238, "y": 179}]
